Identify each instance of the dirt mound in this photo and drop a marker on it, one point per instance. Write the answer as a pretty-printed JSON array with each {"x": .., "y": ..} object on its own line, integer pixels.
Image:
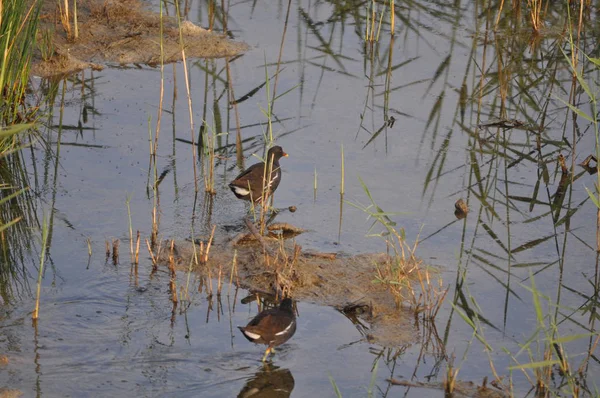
[
  {"x": 343, "y": 282},
  {"x": 121, "y": 31}
]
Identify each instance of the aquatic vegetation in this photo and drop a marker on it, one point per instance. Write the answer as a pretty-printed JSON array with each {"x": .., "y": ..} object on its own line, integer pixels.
[
  {"x": 502, "y": 105},
  {"x": 18, "y": 32},
  {"x": 404, "y": 269}
]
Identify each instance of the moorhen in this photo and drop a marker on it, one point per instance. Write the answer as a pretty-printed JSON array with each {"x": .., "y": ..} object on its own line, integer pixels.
[
  {"x": 249, "y": 184},
  {"x": 272, "y": 327}
]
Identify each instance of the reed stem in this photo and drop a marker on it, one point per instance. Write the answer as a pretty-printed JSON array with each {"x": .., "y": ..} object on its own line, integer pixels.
[{"x": 45, "y": 229}]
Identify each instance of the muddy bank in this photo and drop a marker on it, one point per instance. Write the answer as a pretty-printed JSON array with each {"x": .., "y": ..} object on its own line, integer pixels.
[
  {"x": 120, "y": 31},
  {"x": 343, "y": 282}
]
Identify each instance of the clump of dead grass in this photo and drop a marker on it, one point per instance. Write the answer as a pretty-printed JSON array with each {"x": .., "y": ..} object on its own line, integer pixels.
[{"x": 410, "y": 280}]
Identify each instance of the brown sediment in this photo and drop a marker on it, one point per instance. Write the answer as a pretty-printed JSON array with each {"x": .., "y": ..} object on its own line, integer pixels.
[
  {"x": 334, "y": 280},
  {"x": 124, "y": 32},
  {"x": 10, "y": 393}
]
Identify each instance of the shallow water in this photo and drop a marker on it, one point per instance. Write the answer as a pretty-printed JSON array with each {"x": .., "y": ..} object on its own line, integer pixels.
[{"x": 104, "y": 333}]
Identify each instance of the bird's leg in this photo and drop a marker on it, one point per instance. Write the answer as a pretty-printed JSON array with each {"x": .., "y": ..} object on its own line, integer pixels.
[{"x": 267, "y": 352}]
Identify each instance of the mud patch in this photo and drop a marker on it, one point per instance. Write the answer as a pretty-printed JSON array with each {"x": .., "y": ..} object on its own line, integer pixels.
[
  {"x": 343, "y": 282},
  {"x": 124, "y": 32}
]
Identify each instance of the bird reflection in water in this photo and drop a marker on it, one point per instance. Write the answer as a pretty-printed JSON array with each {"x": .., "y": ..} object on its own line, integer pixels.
[{"x": 269, "y": 382}]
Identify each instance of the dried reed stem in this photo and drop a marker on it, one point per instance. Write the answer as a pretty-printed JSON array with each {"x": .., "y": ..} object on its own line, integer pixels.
[
  {"x": 115, "y": 251},
  {"x": 137, "y": 248},
  {"x": 173, "y": 280},
  {"x": 152, "y": 256},
  {"x": 233, "y": 271},
  {"x": 212, "y": 235}
]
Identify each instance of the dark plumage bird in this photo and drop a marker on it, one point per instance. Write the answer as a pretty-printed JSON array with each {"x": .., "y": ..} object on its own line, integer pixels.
[
  {"x": 250, "y": 184},
  {"x": 272, "y": 327}
]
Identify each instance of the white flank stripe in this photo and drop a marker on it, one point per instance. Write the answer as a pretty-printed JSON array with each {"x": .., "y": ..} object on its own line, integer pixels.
[
  {"x": 252, "y": 335},
  {"x": 284, "y": 330},
  {"x": 241, "y": 191}
]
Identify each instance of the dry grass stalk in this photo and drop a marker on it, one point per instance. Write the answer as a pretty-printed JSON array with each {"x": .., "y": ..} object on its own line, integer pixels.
[
  {"x": 404, "y": 267},
  {"x": 128, "y": 204},
  {"x": 65, "y": 19},
  {"x": 219, "y": 284},
  {"x": 202, "y": 258},
  {"x": 212, "y": 235},
  {"x": 154, "y": 234},
  {"x": 75, "y": 19},
  {"x": 392, "y": 17},
  {"x": 173, "y": 280},
  {"x": 451, "y": 377},
  {"x": 152, "y": 257},
  {"x": 211, "y": 15},
  {"x": 543, "y": 375},
  {"x": 370, "y": 25},
  {"x": 233, "y": 272},
  {"x": 499, "y": 13},
  {"x": 535, "y": 12},
  {"x": 115, "y": 252},
  {"x": 373, "y": 27},
  {"x": 284, "y": 268},
  {"x": 137, "y": 248},
  {"x": 209, "y": 286}
]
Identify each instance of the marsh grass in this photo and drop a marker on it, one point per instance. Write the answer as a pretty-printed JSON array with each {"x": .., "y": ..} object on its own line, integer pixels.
[
  {"x": 592, "y": 116},
  {"x": 536, "y": 14},
  {"x": 46, "y": 43},
  {"x": 542, "y": 357},
  {"x": 18, "y": 30},
  {"x": 373, "y": 22},
  {"x": 188, "y": 92},
  {"x": 403, "y": 268}
]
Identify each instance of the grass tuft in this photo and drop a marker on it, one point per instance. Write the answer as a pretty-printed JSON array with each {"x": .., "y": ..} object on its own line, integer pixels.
[{"x": 403, "y": 267}]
